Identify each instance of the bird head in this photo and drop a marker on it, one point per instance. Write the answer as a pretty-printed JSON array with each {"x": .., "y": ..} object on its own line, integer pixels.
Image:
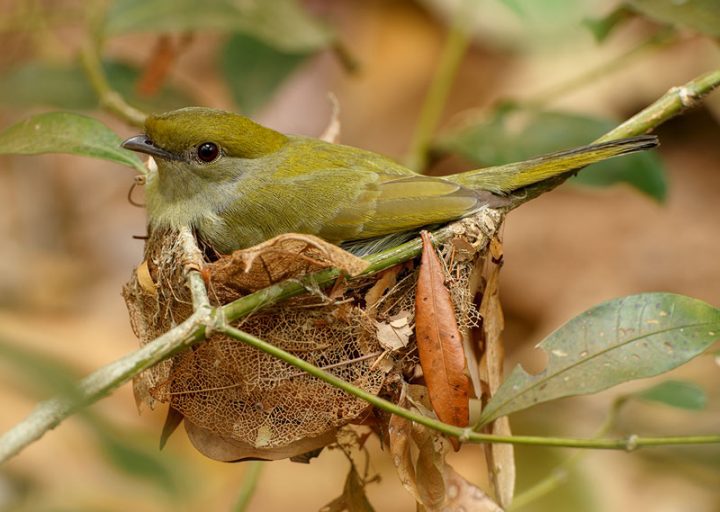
[{"x": 203, "y": 142}]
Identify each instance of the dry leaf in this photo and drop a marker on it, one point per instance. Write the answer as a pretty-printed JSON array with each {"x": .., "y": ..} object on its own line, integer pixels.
[
  {"x": 464, "y": 496},
  {"x": 286, "y": 256},
  {"x": 440, "y": 343},
  {"x": 162, "y": 59},
  {"x": 224, "y": 449},
  {"x": 172, "y": 422},
  {"x": 395, "y": 333},
  {"x": 429, "y": 468},
  {"x": 353, "y": 498},
  {"x": 145, "y": 280},
  {"x": 500, "y": 457},
  {"x": 385, "y": 281}
]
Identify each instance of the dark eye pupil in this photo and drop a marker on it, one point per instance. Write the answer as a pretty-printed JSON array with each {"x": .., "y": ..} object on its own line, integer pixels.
[{"x": 207, "y": 151}]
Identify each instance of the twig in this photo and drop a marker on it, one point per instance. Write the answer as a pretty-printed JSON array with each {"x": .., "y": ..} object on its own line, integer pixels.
[
  {"x": 110, "y": 99},
  {"x": 674, "y": 102},
  {"x": 250, "y": 480},
  {"x": 465, "y": 434}
]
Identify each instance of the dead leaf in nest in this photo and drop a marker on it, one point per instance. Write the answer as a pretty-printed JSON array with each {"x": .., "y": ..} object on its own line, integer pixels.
[
  {"x": 224, "y": 449},
  {"x": 145, "y": 280},
  {"x": 353, "y": 498},
  {"x": 439, "y": 342},
  {"x": 283, "y": 257},
  {"x": 434, "y": 484},
  {"x": 395, "y": 333},
  {"x": 465, "y": 496},
  {"x": 500, "y": 457},
  {"x": 386, "y": 280}
]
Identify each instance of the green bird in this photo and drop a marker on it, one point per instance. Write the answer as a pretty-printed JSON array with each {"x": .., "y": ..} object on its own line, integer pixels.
[{"x": 238, "y": 183}]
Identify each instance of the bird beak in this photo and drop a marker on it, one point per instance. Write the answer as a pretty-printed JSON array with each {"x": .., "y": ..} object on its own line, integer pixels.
[{"x": 143, "y": 144}]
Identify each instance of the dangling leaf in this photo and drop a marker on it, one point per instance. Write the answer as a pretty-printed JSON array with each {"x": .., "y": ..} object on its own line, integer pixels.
[
  {"x": 618, "y": 341},
  {"x": 439, "y": 342}
]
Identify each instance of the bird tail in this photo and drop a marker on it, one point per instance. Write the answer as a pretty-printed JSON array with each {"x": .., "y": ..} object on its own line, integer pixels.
[{"x": 503, "y": 179}]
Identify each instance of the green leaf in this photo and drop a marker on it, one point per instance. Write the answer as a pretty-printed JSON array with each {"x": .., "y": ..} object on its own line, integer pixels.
[
  {"x": 40, "y": 373},
  {"x": 675, "y": 393},
  {"x": 137, "y": 462},
  {"x": 618, "y": 341},
  {"x": 601, "y": 28},
  {"x": 254, "y": 70},
  {"x": 283, "y": 24},
  {"x": 67, "y": 87},
  {"x": 699, "y": 15},
  {"x": 63, "y": 132},
  {"x": 512, "y": 135}
]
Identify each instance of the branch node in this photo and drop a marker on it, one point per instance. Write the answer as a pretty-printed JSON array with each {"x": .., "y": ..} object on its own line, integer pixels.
[
  {"x": 631, "y": 443},
  {"x": 688, "y": 96}
]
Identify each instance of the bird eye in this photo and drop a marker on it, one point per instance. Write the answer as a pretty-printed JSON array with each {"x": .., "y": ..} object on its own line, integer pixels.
[{"x": 208, "y": 151}]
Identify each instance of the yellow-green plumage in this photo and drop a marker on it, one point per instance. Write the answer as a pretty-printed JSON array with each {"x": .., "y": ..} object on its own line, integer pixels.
[{"x": 263, "y": 183}]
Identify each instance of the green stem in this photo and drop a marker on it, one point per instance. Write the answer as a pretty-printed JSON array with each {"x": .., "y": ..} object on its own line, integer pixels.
[
  {"x": 465, "y": 434},
  {"x": 676, "y": 101},
  {"x": 559, "y": 475},
  {"x": 247, "y": 490},
  {"x": 110, "y": 99},
  {"x": 591, "y": 77},
  {"x": 450, "y": 59}
]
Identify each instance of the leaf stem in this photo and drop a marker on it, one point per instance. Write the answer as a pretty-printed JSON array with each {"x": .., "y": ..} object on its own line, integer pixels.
[
  {"x": 659, "y": 40},
  {"x": 249, "y": 484},
  {"x": 465, "y": 434},
  {"x": 110, "y": 99}
]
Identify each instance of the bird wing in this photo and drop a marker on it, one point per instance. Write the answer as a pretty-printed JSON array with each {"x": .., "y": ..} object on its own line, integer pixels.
[{"x": 392, "y": 204}]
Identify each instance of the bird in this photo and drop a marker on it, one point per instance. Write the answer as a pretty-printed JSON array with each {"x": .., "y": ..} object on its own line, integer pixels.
[{"x": 238, "y": 183}]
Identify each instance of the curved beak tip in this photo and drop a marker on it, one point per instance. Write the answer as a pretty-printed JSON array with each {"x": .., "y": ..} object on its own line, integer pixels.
[{"x": 137, "y": 143}]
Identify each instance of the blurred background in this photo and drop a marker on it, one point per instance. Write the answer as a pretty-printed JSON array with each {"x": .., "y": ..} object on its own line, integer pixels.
[{"x": 531, "y": 77}]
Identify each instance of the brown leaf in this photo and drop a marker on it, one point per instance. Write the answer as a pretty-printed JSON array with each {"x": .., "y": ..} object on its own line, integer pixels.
[
  {"x": 440, "y": 343},
  {"x": 395, "y": 333},
  {"x": 500, "y": 457},
  {"x": 172, "y": 422},
  {"x": 399, "y": 439},
  {"x": 224, "y": 449},
  {"x": 163, "y": 58},
  {"x": 353, "y": 498},
  {"x": 429, "y": 468},
  {"x": 465, "y": 496},
  {"x": 385, "y": 281},
  {"x": 285, "y": 256},
  {"x": 145, "y": 280}
]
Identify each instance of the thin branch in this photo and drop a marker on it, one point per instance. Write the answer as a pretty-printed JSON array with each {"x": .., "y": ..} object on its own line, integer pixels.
[
  {"x": 250, "y": 480},
  {"x": 110, "y": 99},
  {"x": 465, "y": 434},
  {"x": 590, "y": 77},
  {"x": 674, "y": 102}
]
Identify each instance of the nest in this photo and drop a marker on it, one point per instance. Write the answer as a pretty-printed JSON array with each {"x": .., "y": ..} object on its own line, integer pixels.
[{"x": 238, "y": 402}]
